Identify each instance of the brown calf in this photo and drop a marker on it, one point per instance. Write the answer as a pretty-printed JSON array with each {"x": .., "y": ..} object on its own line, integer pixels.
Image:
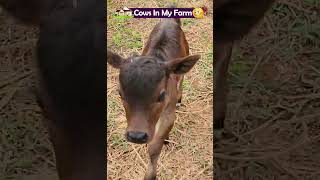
[
  {"x": 71, "y": 63},
  {"x": 150, "y": 86},
  {"x": 233, "y": 19}
]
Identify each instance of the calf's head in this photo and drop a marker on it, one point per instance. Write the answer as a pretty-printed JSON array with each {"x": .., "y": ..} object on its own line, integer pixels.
[{"x": 144, "y": 90}]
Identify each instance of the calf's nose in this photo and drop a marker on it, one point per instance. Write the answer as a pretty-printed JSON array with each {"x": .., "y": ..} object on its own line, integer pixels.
[{"x": 137, "y": 137}]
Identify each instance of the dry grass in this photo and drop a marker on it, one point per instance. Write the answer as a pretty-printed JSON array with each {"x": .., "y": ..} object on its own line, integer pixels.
[
  {"x": 274, "y": 98},
  {"x": 25, "y": 151},
  {"x": 189, "y": 154}
]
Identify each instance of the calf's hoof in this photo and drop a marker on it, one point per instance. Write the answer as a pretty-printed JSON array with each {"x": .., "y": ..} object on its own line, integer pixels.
[
  {"x": 153, "y": 177},
  {"x": 179, "y": 103},
  {"x": 166, "y": 141}
]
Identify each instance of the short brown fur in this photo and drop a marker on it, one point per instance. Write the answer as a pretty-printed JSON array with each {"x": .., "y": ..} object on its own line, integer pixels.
[{"x": 168, "y": 48}]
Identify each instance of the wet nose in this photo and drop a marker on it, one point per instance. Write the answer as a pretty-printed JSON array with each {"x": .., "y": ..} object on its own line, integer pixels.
[{"x": 137, "y": 137}]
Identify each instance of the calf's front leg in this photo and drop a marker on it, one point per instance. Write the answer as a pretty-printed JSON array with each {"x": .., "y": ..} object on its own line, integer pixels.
[
  {"x": 163, "y": 128},
  {"x": 221, "y": 63}
]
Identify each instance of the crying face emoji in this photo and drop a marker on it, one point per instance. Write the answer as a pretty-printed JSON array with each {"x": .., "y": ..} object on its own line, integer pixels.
[{"x": 198, "y": 13}]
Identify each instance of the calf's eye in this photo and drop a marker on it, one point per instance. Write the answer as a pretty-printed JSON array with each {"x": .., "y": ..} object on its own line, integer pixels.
[{"x": 161, "y": 96}]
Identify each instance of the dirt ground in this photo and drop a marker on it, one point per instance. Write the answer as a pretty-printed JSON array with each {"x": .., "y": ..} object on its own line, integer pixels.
[
  {"x": 274, "y": 102},
  {"x": 189, "y": 154}
]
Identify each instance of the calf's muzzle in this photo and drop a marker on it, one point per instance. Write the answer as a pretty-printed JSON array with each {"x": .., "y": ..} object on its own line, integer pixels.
[{"x": 137, "y": 137}]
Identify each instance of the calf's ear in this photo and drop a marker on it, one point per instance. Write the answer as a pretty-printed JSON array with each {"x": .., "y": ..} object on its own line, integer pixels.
[
  {"x": 182, "y": 65},
  {"x": 114, "y": 59}
]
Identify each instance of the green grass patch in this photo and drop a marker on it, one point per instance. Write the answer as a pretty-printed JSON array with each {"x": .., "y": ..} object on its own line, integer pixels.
[
  {"x": 206, "y": 64},
  {"x": 112, "y": 105},
  {"x": 239, "y": 73},
  {"x": 239, "y": 69},
  {"x": 186, "y": 85},
  {"x": 174, "y": 132},
  {"x": 121, "y": 17},
  {"x": 119, "y": 141},
  {"x": 125, "y": 37},
  {"x": 187, "y": 22}
]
